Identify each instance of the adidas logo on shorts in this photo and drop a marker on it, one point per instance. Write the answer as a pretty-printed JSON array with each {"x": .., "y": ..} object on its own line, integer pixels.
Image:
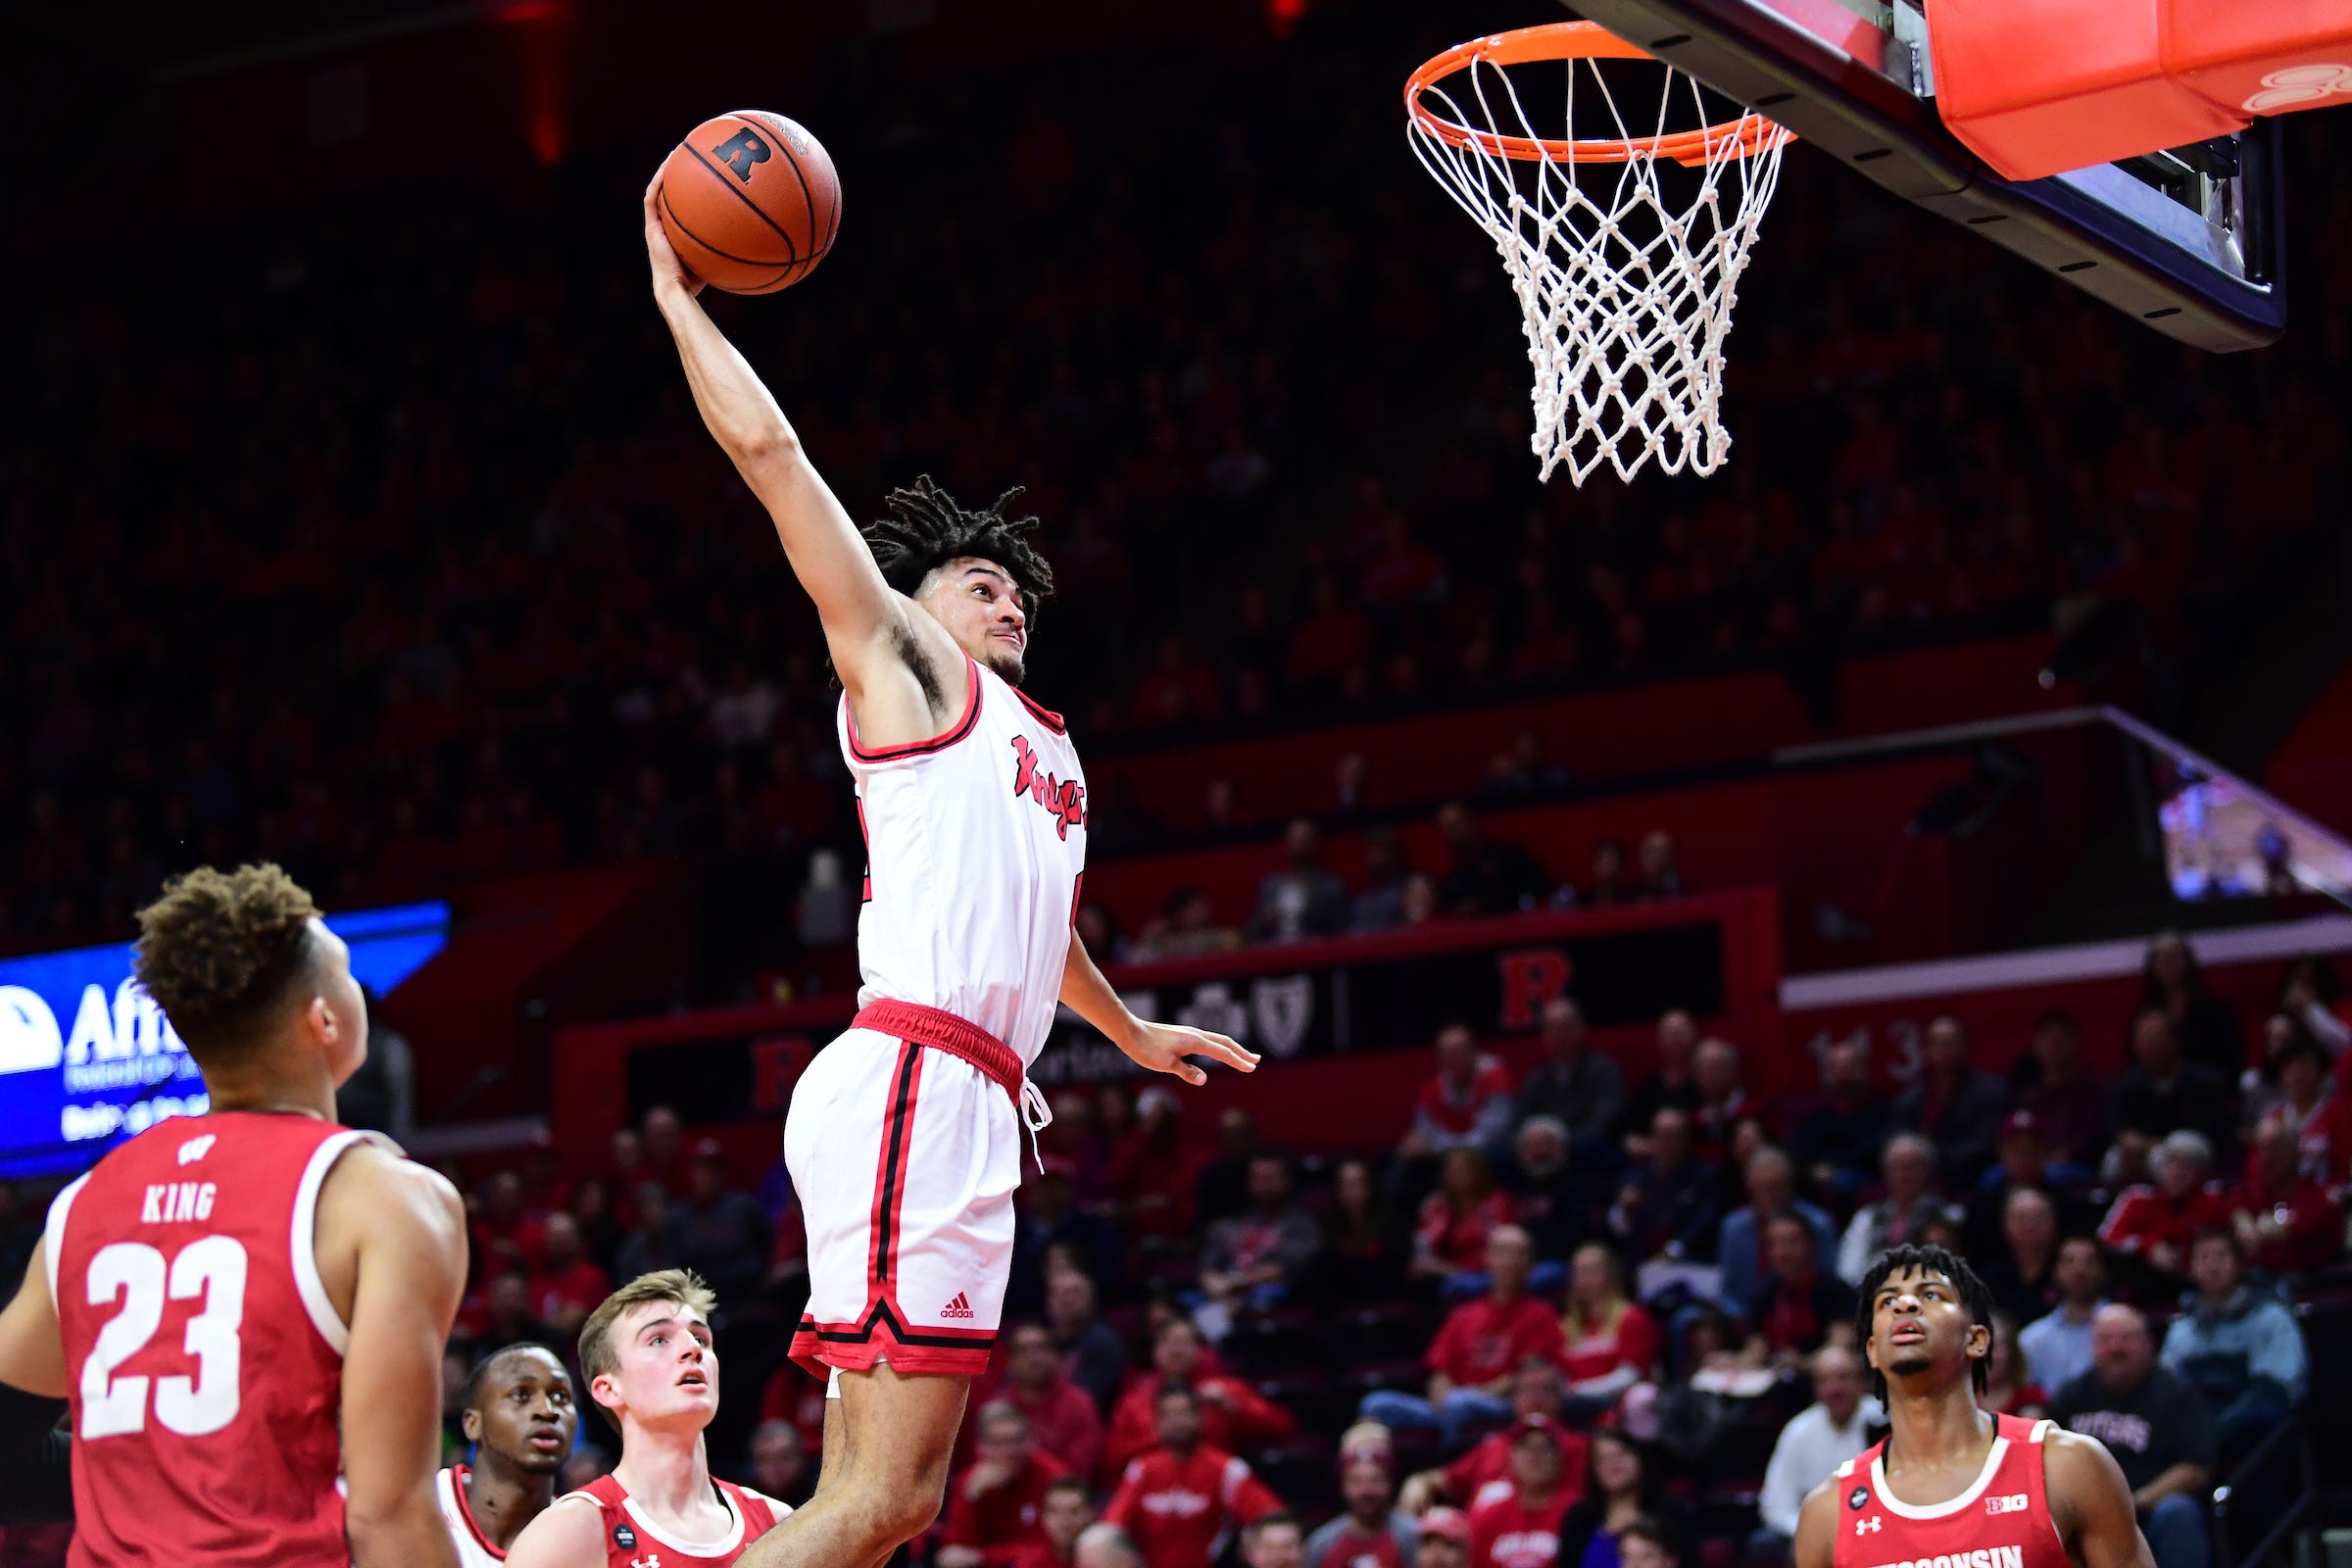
[{"x": 958, "y": 1307}]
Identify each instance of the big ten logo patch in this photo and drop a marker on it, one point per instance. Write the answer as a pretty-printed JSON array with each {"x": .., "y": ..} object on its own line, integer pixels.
[
  {"x": 778, "y": 1063},
  {"x": 1531, "y": 977}
]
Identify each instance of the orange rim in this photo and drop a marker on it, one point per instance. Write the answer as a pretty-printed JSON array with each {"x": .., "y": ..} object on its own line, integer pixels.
[{"x": 1574, "y": 40}]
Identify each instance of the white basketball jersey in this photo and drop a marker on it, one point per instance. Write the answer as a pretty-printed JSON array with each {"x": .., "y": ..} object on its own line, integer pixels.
[
  {"x": 975, "y": 847},
  {"x": 474, "y": 1548}
]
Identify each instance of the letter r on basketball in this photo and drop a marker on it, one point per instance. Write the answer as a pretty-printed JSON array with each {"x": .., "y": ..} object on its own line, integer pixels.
[{"x": 740, "y": 152}]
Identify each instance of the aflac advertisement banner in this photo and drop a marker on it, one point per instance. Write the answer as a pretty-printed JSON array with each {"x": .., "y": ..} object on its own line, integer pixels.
[{"x": 86, "y": 1059}]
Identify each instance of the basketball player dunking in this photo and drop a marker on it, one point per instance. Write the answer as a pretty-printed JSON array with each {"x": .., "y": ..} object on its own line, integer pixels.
[
  {"x": 246, "y": 1304},
  {"x": 1952, "y": 1483},
  {"x": 903, "y": 1136}
]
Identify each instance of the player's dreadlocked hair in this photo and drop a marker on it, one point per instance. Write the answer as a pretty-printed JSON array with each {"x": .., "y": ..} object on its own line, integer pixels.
[
  {"x": 219, "y": 951},
  {"x": 926, "y": 527},
  {"x": 1927, "y": 1260}
]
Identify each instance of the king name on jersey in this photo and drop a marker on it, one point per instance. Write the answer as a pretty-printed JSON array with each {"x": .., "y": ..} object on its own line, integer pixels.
[
  {"x": 1983, "y": 1557},
  {"x": 174, "y": 1203}
]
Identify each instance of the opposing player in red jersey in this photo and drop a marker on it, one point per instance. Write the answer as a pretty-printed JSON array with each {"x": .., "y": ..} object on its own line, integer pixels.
[
  {"x": 1952, "y": 1483},
  {"x": 650, "y": 1367},
  {"x": 220, "y": 1294}
]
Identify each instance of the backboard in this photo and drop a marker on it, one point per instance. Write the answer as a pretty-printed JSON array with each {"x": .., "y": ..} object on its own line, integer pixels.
[{"x": 2190, "y": 241}]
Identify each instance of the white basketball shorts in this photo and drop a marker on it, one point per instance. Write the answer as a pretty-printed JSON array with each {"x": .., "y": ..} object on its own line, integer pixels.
[{"x": 904, "y": 1147}]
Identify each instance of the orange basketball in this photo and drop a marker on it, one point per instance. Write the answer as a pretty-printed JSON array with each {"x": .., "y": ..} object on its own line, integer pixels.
[{"x": 751, "y": 201}]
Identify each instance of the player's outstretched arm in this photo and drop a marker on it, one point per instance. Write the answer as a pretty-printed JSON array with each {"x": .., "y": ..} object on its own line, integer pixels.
[
  {"x": 567, "y": 1534},
  {"x": 408, "y": 1227},
  {"x": 1161, "y": 1047},
  {"x": 2096, "y": 1515},
  {"x": 865, "y": 622},
  {"x": 1816, "y": 1544}
]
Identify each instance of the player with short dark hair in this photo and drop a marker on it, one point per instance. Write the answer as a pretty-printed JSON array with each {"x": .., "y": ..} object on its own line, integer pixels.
[
  {"x": 247, "y": 1304},
  {"x": 1950, "y": 1480},
  {"x": 903, "y": 1139},
  {"x": 518, "y": 1412}
]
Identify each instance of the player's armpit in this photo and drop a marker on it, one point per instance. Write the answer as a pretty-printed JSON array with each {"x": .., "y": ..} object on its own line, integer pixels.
[
  {"x": 570, "y": 1534},
  {"x": 2092, "y": 1503},
  {"x": 32, "y": 1352},
  {"x": 410, "y": 1231},
  {"x": 1817, "y": 1527}
]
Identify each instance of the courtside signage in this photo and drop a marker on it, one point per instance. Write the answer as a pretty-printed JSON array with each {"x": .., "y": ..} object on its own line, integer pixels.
[{"x": 86, "y": 1059}]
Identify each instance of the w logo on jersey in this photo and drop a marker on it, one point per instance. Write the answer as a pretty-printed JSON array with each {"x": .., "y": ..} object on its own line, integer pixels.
[{"x": 1066, "y": 802}]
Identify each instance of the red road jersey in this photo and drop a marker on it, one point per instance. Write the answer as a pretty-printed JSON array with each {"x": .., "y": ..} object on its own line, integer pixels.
[
  {"x": 2003, "y": 1521},
  {"x": 631, "y": 1541},
  {"x": 204, "y": 1361}
]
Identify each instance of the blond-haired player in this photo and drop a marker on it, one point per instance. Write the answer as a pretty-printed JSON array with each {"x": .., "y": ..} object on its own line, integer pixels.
[{"x": 653, "y": 1372}]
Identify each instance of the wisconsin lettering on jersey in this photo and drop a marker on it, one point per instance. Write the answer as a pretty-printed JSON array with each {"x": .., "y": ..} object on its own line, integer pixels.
[
  {"x": 1066, "y": 802},
  {"x": 1983, "y": 1557},
  {"x": 176, "y": 1203}
]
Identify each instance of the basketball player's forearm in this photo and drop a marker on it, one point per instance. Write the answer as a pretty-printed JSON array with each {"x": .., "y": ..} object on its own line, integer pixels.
[
  {"x": 1087, "y": 994},
  {"x": 826, "y": 552},
  {"x": 735, "y": 404},
  {"x": 413, "y": 1537}
]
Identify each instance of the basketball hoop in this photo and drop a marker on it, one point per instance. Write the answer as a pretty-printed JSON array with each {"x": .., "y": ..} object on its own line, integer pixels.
[{"x": 1625, "y": 288}]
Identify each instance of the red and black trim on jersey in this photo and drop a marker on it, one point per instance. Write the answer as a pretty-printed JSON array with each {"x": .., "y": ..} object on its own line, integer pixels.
[
  {"x": 865, "y": 879},
  {"x": 1044, "y": 715},
  {"x": 937, "y": 743}
]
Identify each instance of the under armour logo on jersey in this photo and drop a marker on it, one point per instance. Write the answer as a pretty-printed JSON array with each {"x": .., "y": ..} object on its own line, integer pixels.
[
  {"x": 2014, "y": 1502},
  {"x": 195, "y": 1148},
  {"x": 651, "y": 1559},
  {"x": 1870, "y": 1526},
  {"x": 1067, "y": 802},
  {"x": 962, "y": 1306}
]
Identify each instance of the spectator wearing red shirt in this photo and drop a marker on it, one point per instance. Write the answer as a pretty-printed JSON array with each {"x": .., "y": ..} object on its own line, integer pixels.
[
  {"x": 1152, "y": 1172},
  {"x": 2321, "y": 1119},
  {"x": 1183, "y": 1498},
  {"x": 1521, "y": 1528},
  {"x": 1062, "y": 1419},
  {"x": 1466, "y": 1104},
  {"x": 1799, "y": 1302},
  {"x": 1485, "y": 1471},
  {"x": 567, "y": 1287},
  {"x": 1457, "y": 1218},
  {"x": 1068, "y": 1509},
  {"x": 2286, "y": 1222},
  {"x": 2155, "y": 1224},
  {"x": 1371, "y": 1533},
  {"x": 504, "y": 1233},
  {"x": 1478, "y": 1350},
  {"x": 995, "y": 1508},
  {"x": 1609, "y": 1342},
  {"x": 1723, "y": 1099},
  {"x": 1231, "y": 1411}
]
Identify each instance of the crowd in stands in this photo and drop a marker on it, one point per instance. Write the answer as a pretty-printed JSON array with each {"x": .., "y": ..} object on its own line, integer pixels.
[{"x": 473, "y": 592}]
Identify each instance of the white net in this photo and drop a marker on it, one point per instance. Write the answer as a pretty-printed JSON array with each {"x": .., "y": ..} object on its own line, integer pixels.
[{"x": 1626, "y": 263}]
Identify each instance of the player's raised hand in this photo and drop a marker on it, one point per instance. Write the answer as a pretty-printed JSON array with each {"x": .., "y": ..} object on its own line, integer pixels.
[
  {"x": 669, "y": 271},
  {"x": 1169, "y": 1046}
]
